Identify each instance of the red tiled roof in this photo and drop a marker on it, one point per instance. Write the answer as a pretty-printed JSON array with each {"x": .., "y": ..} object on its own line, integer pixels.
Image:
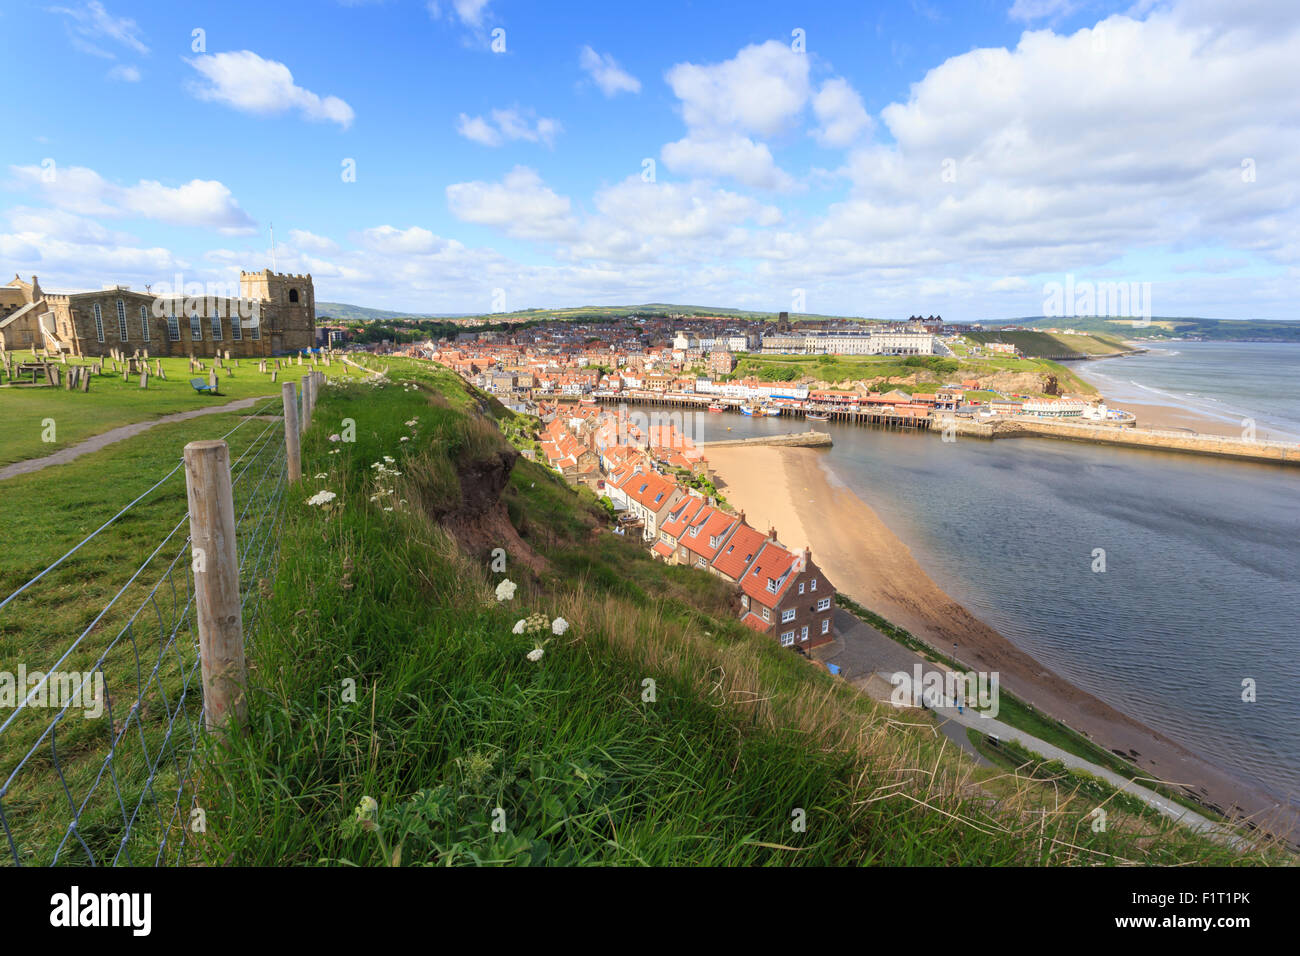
[
  {"x": 772, "y": 562},
  {"x": 738, "y": 552},
  {"x": 711, "y": 523},
  {"x": 663, "y": 548},
  {"x": 687, "y": 508},
  {"x": 757, "y": 623}
]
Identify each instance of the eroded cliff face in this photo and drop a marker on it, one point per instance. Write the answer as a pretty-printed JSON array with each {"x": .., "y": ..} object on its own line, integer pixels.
[{"x": 479, "y": 521}]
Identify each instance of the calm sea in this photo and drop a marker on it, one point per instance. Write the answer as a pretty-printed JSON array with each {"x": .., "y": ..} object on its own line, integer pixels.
[
  {"x": 1201, "y": 581},
  {"x": 1229, "y": 381}
]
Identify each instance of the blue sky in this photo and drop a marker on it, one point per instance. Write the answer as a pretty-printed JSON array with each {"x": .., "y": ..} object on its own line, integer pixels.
[{"x": 864, "y": 159}]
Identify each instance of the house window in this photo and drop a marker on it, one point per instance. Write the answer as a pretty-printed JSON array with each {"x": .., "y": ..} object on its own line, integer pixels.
[
  {"x": 144, "y": 323},
  {"x": 801, "y": 587},
  {"x": 787, "y": 638},
  {"x": 803, "y": 635},
  {"x": 824, "y": 604},
  {"x": 813, "y": 585},
  {"x": 196, "y": 327},
  {"x": 771, "y": 585},
  {"x": 121, "y": 319},
  {"x": 787, "y": 615},
  {"x": 826, "y": 625},
  {"x": 216, "y": 328},
  {"x": 99, "y": 323},
  {"x": 173, "y": 329},
  {"x": 744, "y": 601},
  {"x": 713, "y": 541},
  {"x": 767, "y": 615}
]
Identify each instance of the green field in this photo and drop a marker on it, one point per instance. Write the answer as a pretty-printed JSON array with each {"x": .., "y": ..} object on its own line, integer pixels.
[
  {"x": 112, "y": 402},
  {"x": 1053, "y": 345}
]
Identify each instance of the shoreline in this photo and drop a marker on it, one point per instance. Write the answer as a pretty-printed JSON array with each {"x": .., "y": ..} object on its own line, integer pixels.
[
  {"x": 1173, "y": 417},
  {"x": 790, "y": 490}
]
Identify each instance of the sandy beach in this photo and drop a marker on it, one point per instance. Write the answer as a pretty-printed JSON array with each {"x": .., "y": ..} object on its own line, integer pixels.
[{"x": 788, "y": 489}]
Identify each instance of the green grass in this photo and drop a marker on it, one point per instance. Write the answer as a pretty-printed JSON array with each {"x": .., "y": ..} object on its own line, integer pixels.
[
  {"x": 112, "y": 402},
  {"x": 45, "y": 514}
]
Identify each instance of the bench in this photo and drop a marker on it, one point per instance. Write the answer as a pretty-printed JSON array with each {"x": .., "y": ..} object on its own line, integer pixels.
[{"x": 202, "y": 386}]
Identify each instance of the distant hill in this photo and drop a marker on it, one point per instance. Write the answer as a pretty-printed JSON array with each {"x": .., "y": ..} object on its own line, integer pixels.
[
  {"x": 342, "y": 311},
  {"x": 1169, "y": 327},
  {"x": 359, "y": 313}
]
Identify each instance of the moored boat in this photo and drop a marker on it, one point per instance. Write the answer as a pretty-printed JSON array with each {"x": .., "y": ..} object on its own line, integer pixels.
[
  {"x": 746, "y": 409},
  {"x": 715, "y": 408},
  {"x": 816, "y": 417}
]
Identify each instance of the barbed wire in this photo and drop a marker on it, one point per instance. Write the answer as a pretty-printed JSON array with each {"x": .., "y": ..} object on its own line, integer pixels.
[{"x": 119, "y": 787}]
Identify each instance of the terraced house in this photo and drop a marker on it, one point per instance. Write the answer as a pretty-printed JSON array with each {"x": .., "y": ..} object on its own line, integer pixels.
[{"x": 786, "y": 595}]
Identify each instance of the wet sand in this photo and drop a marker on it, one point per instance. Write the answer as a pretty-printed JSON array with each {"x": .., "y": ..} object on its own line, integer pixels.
[
  {"x": 788, "y": 489},
  {"x": 1186, "y": 420}
]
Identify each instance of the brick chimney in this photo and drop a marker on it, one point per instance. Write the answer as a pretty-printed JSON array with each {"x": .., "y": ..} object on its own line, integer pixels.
[
  {"x": 742, "y": 515},
  {"x": 771, "y": 533}
]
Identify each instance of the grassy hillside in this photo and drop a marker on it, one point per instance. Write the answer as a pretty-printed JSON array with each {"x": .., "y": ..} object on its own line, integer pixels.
[
  {"x": 654, "y": 730},
  {"x": 1164, "y": 327},
  {"x": 1056, "y": 346}
]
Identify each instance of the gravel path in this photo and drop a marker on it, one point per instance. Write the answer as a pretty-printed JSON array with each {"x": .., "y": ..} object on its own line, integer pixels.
[{"x": 96, "y": 442}]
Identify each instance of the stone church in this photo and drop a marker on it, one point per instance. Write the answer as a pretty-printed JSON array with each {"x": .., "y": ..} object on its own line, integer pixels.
[{"x": 274, "y": 313}]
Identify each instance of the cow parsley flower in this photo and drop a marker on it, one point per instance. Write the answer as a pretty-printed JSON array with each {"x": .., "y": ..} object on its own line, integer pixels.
[
  {"x": 519, "y": 626},
  {"x": 321, "y": 498},
  {"x": 559, "y": 626},
  {"x": 535, "y": 654},
  {"x": 506, "y": 590}
]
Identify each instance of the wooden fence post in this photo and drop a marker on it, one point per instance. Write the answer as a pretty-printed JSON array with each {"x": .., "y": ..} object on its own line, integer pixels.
[
  {"x": 307, "y": 402},
  {"x": 292, "y": 446},
  {"x": 216, "y": 582}
]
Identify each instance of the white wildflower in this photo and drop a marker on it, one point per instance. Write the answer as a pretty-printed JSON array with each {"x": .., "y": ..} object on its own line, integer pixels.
[
  {"x": 535, "y": 654},
  {"x": 321, "y": 498},
  {"x": 322, "y": 475},
  {"x": 506, "y": 590},
  {"x": 559, "y": 626},
  {"x": 519, "y": 626},
  {"x": 335, "y": 437},
  {"x": 404, "y": 438}
]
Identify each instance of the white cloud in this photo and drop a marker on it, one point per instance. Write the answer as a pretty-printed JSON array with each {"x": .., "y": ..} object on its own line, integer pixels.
[
  {"x": 1028, "y": 10},
  {"x": 248, "y": 82},
  {"x": 760, "y": 90},
  {"x": 734, "y": 156},
  {"x": 839, "y": 109},
  {"x": 521, "y": 205},
  {"x": 507, "y": 125},
  {"x": 127, "y": 74},
  {"x": 312, "y": 242},
  {"x": 203, "y": 203},
  {"x": 607, "y": 74},
  {"x": 90, "y": 24},
  {"x": 468, "y": 12}
]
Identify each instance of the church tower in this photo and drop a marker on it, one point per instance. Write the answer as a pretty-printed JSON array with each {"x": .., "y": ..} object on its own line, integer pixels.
[{"x": 288, "y": 307}]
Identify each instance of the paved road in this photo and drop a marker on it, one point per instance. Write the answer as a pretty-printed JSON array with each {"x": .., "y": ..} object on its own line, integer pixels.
[
  {"x": 860, "y": 651},
  {"x": 96, "y": 442}
]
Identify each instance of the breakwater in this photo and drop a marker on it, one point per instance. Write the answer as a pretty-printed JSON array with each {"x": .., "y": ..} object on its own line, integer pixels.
[
  {"x": 809, "y": 439},
  {"x": 1197, "y": 444}
]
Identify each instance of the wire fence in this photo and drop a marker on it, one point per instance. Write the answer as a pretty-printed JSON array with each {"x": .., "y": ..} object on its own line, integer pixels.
[{"x": 98, "y": 746}]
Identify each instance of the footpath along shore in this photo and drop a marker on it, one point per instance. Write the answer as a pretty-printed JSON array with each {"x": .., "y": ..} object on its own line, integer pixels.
[{"x": 789, "y": 490}]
